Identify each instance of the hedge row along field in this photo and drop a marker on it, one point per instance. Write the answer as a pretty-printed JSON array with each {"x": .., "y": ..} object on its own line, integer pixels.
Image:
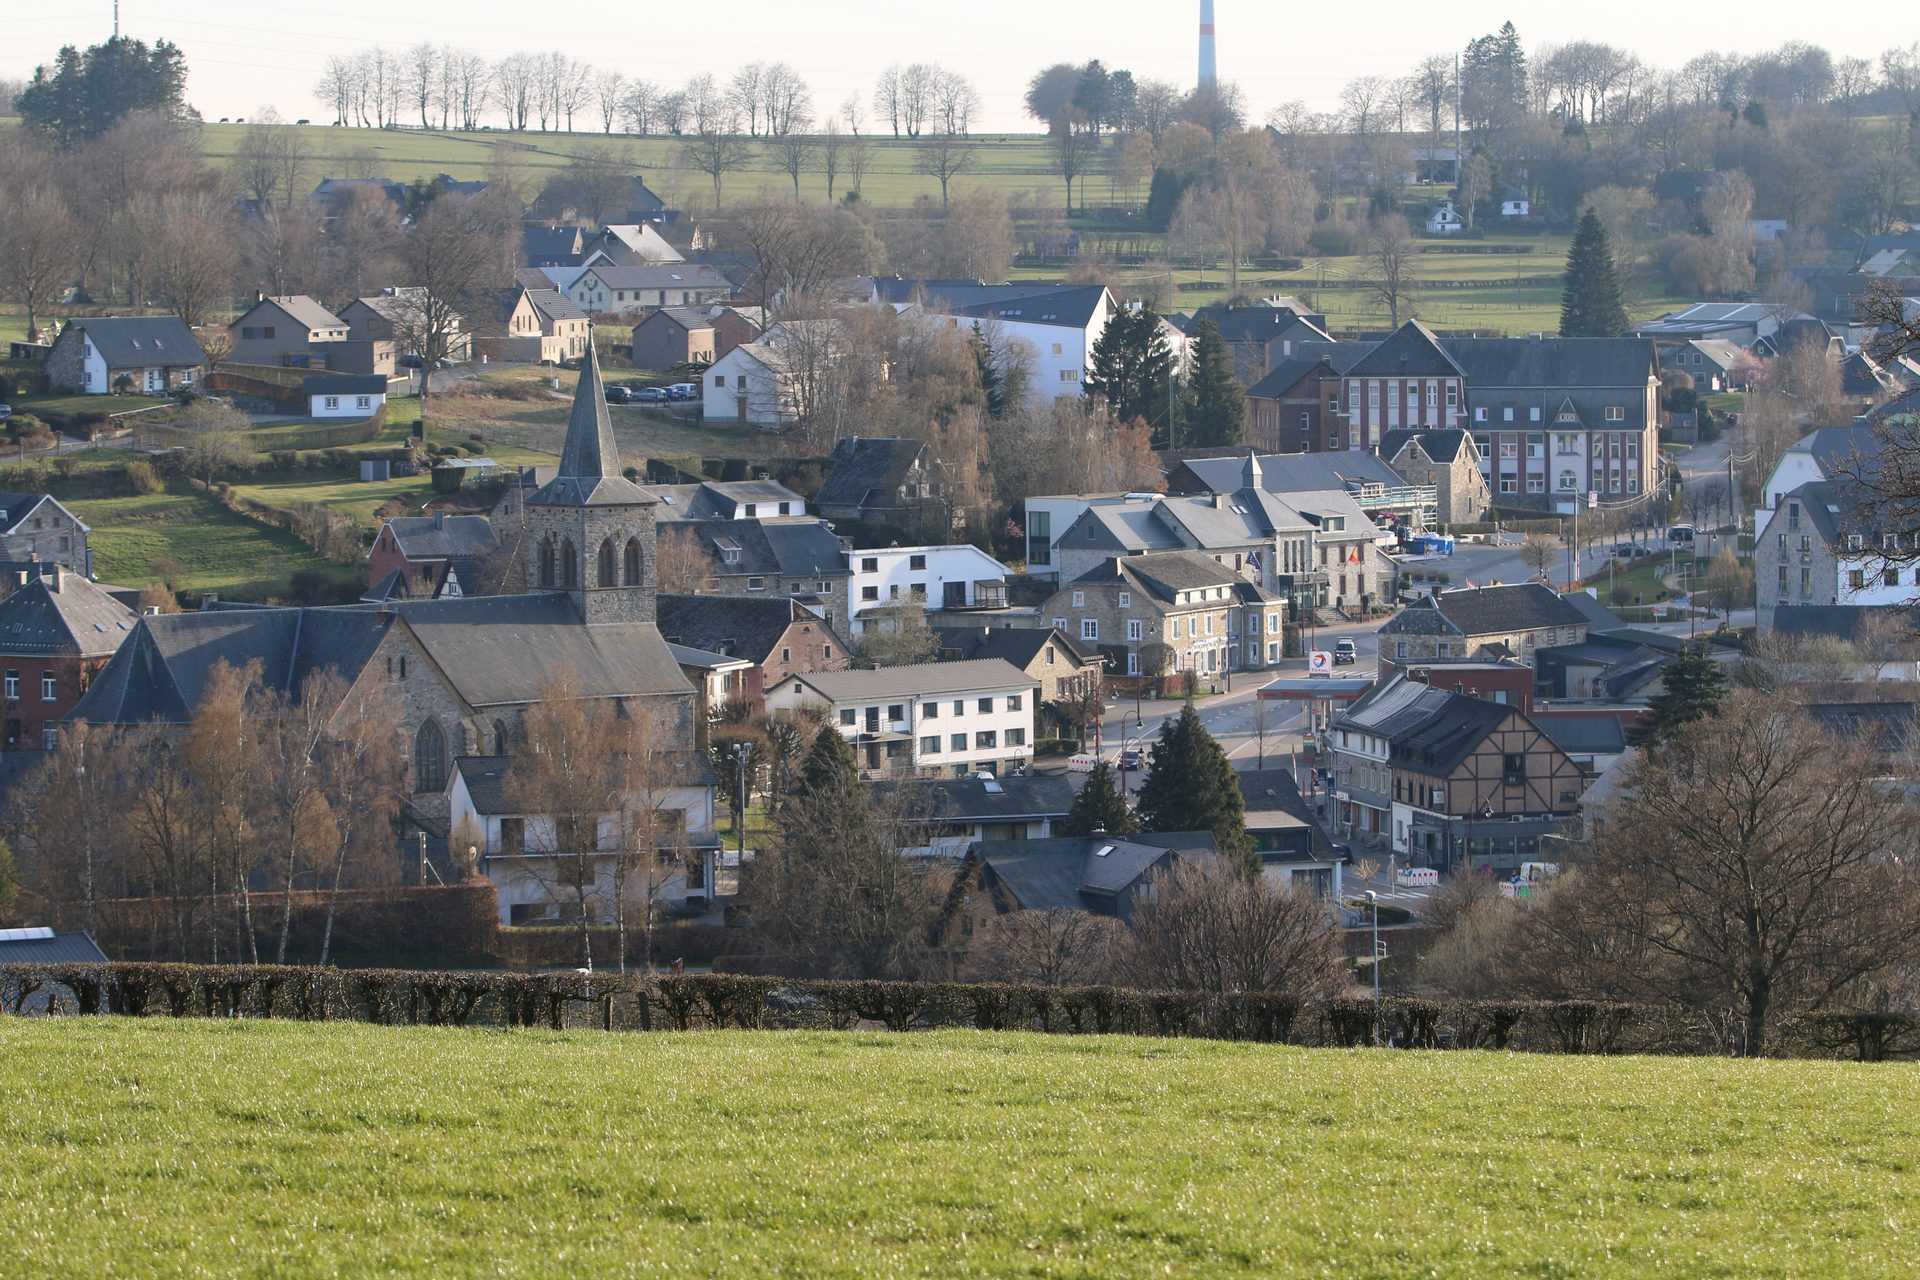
[
  {"x": 158, "y": 1147},
  {"x": 686, "y": 1002}
]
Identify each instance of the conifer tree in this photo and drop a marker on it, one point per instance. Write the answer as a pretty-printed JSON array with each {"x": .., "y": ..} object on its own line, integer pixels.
[
  {"x": 1099, "y": 807},
  {"x": 1216, "y": 402},
  {"x": 1191, "y": 786},
  {"x": 1131, "y": 367},
  {"x": 1591, "y": 305},
  {"x": 1691, "y": 689}
]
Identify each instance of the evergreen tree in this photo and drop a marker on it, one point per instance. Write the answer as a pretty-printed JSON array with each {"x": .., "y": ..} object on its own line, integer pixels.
[
  {"x": 1692, "y": 689},
  {"x": 1191, "y": 786},
  {"x": 1099, "y": 807},
  {"x": 1131, "y": 367},
  {"x": 1590, "y": 303},
  {"x": 992, "y": 385},
  {"x": 1216, "y": 412},
  {"x": 88, "y": 91}
]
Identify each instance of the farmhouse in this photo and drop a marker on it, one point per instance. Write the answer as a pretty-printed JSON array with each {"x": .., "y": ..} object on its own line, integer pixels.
[{"x": 151, "y": 355}]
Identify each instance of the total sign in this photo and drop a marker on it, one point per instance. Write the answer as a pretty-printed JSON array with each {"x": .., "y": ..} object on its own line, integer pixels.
[{"x": 1320, "y": 663}]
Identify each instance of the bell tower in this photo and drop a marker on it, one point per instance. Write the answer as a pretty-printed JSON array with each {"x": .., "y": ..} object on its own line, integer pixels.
[{"x": 590, "y": 530}]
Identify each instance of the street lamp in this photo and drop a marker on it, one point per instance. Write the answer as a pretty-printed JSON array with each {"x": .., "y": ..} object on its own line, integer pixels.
[
  {"x": 1373, "y": 909},
  {"x": 742, "y": 751}
]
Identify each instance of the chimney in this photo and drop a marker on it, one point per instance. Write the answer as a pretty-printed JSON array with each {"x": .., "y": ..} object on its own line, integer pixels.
[
  {"x": 58, "y": 579},
  {"x": 440, "y": 519}
]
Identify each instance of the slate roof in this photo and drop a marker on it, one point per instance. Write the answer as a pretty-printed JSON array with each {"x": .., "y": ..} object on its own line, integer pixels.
[
  {"x": 1442, "y": 444},
  {"x": 1271, "y": 790},
  {"x": 343, "y": 384},
  {"x": 555, "y": 305},
  {"x": 1841, "y": 620},
  {"x": 1600, "y": 619},
  {"x": 1248, "y": 324},
  {"x": 867, "y": 471},
  {"x": 797, "y": 547},
  {"x": 1167, "y": 573},
  {"x": 302, "y": 309},
  {"x": 1070, "y": 872},
  {"x": 45, "y": 946},
  {"x": 1288, "y": 473},
  {"x": 490, "y": 779},
  {"x": 542, "y": 246},
  {"x": 1555, "y": 364},
  {"x": 589, "y": 471},
  {"x": 442, "y": 537},
  {"x": 1286, "y": 375},
  {"x": 939, "y": 800},
  {"x": 1479, "y": 611},
  {"x": 63, "y": 614},
  {"x": 1073, "y": 306},
  {"x": 127, "y": 342},
  {"x": 747, "y": 627},
  {"x": 916, "y": 680},
  {"x": 501, "y": 650},
  {"x": 720, "y": 499},
  {"x": 1883, "y": 726},
  {"x": 688, "y": 318},
  {"x": 1585, "y": 735},
  {"x": 1412, "y": 350},
  {"x": 1022, "y": 646},
  {"x": 660, "y": 275},
  {"x": 1447, "y": 734}
]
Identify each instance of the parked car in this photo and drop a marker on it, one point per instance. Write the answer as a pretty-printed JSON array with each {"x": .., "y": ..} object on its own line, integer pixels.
[
  {"x": 1133, "y": 758},
  {"x": 411, "y": 360},
  {"x": 650, "y": 395},
  {"x": 6, "y": 411},
  {"x": 618, "y": 394},
  {"x": 683, "y": 391},
  {"x": 1345, "y": 653}
]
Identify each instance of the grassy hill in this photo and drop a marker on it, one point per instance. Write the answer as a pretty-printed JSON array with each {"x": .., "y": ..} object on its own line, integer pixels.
[{"x": 208, "y": 1148}]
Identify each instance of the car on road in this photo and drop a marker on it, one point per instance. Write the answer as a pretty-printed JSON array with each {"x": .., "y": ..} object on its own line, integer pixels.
[
  {"x": 1628, "y": 550},
  {"x": 6, "y": 411},
  {"x": 1345, "y": 653},
  {"x": 618, "y": 394},
  {"x": 1132, "y": 759}
]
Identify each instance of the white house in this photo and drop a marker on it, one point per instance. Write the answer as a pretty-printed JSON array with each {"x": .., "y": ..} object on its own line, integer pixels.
[
  {"x": 750, "y": 385},
  {"x": 1827, "y": 453},
  {"x": 616, "y": 290},
  {"x": 1516, "y": 208},
  {"x": 1057, "y": 324},
  {"x": 1445, "y": 221},
  {"x": 932, "y": 719},
  {"x": 96, "y": 355},
  {"x": 520, "y": 854},
  {"x": 949, "y": 577},
  {"x": 344, "y": 396}
]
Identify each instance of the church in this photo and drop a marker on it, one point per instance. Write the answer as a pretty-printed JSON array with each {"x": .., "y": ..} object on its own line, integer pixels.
[{"x": 460, "y": 671}]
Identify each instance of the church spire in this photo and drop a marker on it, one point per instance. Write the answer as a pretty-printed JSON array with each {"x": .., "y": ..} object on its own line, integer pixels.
[{"x": 590, "y": 473}]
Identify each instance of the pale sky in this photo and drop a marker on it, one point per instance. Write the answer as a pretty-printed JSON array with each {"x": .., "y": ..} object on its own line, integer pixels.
[{"x": 247, "y": 54}]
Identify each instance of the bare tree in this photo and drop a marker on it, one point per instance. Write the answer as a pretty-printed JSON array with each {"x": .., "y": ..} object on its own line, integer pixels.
[
  {"x": 743, "y": 94},
  {"x": 42, "y": 254},
  {"x": 1209, "y": 928},
  {"x": 796, "y": 152},
  {"x": 192, "y": 265},
  {"x": 1073, "y": 149},
  {"x": 682, "y": 566},
  {"x": 1392, "y": 250},
  {"x": 1541, "y": 551},
  {"x": 832, "y": 153},
  {"x": 715, "y": 153},
  {"x": 887, "y": 97},
  {"x": 786, "y": 102},
  {"x": 852, "y": 113},
  {"x": 609, "y": 94},
  {"x": 269, "y": 160},
  {"x": 944, "y": 157},
  {"x": 1057, "y": 947},
  {"x": 362, "y": 765},
  {"x": 896, "y": 634},
  {"x": 460, "y": 245},
  {"x": 420, "y": 66}
]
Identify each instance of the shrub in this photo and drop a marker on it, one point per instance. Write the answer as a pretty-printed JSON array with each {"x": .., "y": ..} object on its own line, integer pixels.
[
  {"x": 448, "y": 479},
  {"x": 140, "y": 476}
]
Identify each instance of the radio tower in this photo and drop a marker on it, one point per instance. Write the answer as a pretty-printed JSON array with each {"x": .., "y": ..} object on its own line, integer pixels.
[{"x": 1209, "y": 74}]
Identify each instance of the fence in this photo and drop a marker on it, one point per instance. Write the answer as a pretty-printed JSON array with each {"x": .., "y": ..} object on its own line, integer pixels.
[{"x": 685, "y": 1002}]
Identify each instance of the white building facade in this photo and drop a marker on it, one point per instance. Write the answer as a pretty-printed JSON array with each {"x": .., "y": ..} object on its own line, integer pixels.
[
  {"x": 940, "y": 577},
  {"x": 935, "y": 719}
]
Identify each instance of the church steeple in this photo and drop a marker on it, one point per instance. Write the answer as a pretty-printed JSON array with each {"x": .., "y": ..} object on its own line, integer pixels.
[{"x": 590, "y": 529}]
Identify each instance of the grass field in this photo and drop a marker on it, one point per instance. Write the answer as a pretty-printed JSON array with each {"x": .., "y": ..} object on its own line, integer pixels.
[
  {"x": 220, "y": 550},
  {"x": 191, "y": 1148}
]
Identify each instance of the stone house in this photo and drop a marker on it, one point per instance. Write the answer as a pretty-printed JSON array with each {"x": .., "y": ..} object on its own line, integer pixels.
[
  {"x": 1446, "y": 459},
  {"x": 1503, "y": 622},
  {"x": 797, "y": 558},
  {"x": 427, "y": 550},
  {"x": 1820, "y": 546},
  {"x": 880, "y": 480},
  {"x": 777, "y": 634},
  {"x": 1169, "y": 611},
  {"x": 387, "y": 323},
  {"x": 146, "y": 355},
  {"x": 38, "y": 529}
]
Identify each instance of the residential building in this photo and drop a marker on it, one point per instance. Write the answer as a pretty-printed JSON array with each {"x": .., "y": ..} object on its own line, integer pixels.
[
  {"x": 1295, "y": 406},
  {"x": 519, "y": 325},
  {"x": 429, "y": 551},
  {"x": 36, "y": 528},
  {"x": 1170, "y": 611},
  {"x": 1505, "y": 621},
  {"x": 394, "y": 319},
  {"x": 1103, "y": 874},
  {"x": 945, "y": 817},
  {"x": 1294, "y": 850},
  {"x": 753, "y": 385},
  {"x": 144, "y": 355},
  {"x": 674, "y": 336},
  {"x": 1375, "y": 487},
  {"x": 1260, "y": 337},
  {"x": 1446, "y": 460},
  {"x": 720, "y": 682},
  {"x": 56, "y": 632},
  {"x": 727, "y": 500},
  {"x": 562, "y": 200},
  {"x": 953, "y": 718},
  {"x": 948, "y": 578},
  {"x": 1822, "y": 545},
  {"x": 777, "y": 634},
  {"x": 1058, "y": 323},
  {"x": 1064, "y": 668},
  {"x": 531, "y": 858},
  {"x": 884, "y": 480},
  {"x": 1467, "y": 782},
  {"x": 1741, "y": 322},
  {"x": 551, "y": 245},
  {"x": 606, "y": 289},
  {"x": 1408, "y": 380},
  {"x": 344, "y": 395},
  {"x": 1445, "y": 220},
  {"x": 797, "y": 558},
  {"x": 1555, "y": 419},
  {"x": 628, "y": 244},
  {"x": 293, "y": 330},
  {"x": 1710, "y": 364},
  {"x": 458, "y": 673}
]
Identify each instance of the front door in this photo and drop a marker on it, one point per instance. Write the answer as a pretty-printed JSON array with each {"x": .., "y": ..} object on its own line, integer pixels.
[{"x": 156, "y": 380}]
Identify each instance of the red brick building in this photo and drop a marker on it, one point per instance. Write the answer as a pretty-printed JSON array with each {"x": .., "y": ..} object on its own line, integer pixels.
[
  {"x": 424, "y": 549},
  {"x": 56, "y": 632}
]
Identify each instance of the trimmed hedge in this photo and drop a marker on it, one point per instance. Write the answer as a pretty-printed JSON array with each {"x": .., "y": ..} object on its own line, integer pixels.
[{"x": 686, "y": 1002}]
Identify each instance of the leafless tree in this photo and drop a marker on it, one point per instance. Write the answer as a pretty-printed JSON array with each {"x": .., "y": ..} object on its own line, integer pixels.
[
  {"x": 335, "y": 86},
  {"x": 192, "y": 264},
  {"x": 786, "y": 102},
  {"x": 41, "y": 254},
  {"x": 460, "y": 245},
  {"x": 744, "y": 96},
  {"x": 955, "y": 101},
  {"x": 896, "y": 634},
  {"x": 1541, "y": 551},
  {"x": 943, "y": 157},
  {"x": 859, "y": 156},
  {"x": 682, "y": 565},
  {"x": 832, "y": 155},
  {"x": 515, "y": 79},
  {"x": 640, "y": 107},
  {"x": 707, "y": 109},
  {"x": 917, "y": 93},
  {"x": 1073, "y": 149},
  {"x": 609, "y": 93},
  {"x": 852, "y": 113},
  {"x": 715, "y": 153},
  {"x": 795, "y": 152},
  {"x": 797, "y": 252},
  {"x": 1392, "y": 250},
  {"x": 1057, "y": 947},
  {"x": 1209, "y": 928},
  {"x": 269, "y": 160},
  {"x": 887, "y": 97},
  {"x": 421, "y": 67}
]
